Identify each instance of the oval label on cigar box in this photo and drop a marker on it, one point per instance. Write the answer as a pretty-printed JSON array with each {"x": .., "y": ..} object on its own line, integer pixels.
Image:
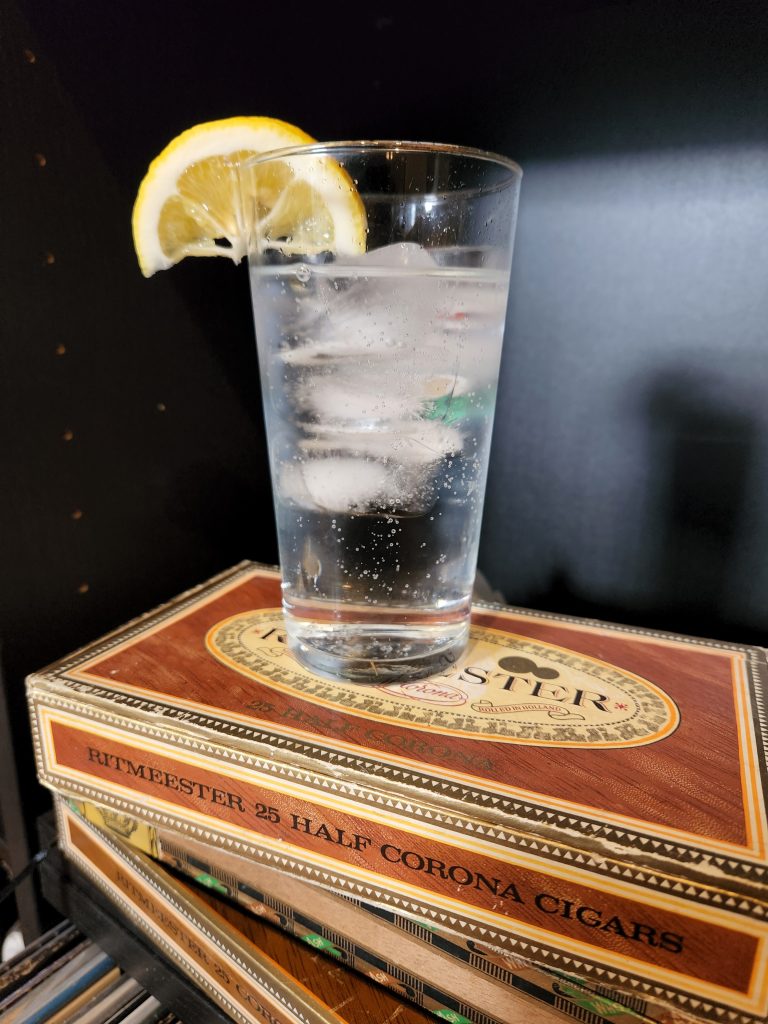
[{"x": 505, "y": 687}]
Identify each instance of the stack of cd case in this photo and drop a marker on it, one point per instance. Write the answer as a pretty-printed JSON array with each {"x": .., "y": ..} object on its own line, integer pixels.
[{"x": 63, "y": 977}]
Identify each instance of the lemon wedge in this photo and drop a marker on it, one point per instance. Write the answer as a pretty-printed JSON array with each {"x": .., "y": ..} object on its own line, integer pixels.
[{"x": 198, "y": 199}]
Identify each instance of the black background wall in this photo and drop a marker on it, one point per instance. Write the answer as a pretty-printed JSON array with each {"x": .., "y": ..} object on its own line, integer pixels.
[{"x": 630, "y": 458}]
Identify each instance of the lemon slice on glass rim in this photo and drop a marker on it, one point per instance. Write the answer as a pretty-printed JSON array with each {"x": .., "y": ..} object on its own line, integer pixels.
[{"x": 202, "y": 196}]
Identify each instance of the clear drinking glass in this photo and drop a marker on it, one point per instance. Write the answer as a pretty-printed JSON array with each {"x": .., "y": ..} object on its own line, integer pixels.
[{"x": 379, "y": 352}]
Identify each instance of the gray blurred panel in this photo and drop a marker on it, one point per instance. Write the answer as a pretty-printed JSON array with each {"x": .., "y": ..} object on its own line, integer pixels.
[{"x": 629, "y": 461}]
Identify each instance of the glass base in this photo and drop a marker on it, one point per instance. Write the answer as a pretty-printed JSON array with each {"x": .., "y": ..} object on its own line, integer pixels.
[{"x": 364, "y": 652}]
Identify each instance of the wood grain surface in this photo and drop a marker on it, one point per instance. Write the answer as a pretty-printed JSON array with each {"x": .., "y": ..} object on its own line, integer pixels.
[{"x": 356, "y": 999}]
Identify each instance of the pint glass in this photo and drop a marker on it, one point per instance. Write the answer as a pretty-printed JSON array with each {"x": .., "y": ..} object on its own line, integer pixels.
[{"x": 379, "y": 317}]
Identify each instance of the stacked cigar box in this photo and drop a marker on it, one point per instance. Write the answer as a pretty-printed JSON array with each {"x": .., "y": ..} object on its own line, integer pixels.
[{"x": 568, "y": 822}]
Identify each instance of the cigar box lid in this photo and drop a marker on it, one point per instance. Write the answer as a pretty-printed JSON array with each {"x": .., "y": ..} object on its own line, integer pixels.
[{"x": 634, "y": 753}]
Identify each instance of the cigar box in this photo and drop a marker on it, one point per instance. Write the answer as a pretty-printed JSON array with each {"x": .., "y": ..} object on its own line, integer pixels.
[
  {"x": 253, "y": 972},
  {"x": 447, "y": 974},
  {"x": 584, "y": 794}
]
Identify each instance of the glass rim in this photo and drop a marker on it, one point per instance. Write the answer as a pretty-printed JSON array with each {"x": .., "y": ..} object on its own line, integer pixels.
[{"x": 391, "y": 145}]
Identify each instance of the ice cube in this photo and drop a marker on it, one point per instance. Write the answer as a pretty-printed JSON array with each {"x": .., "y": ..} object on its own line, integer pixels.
[
  {"x": 353, "y": 335},
  {"x": 411, "y": 443},
  {"x": 399, "y": 254},
  {"x": 375, "y": 311},
  {"x": 334, "y": 484},
  {"x": 348, "y": 398}
]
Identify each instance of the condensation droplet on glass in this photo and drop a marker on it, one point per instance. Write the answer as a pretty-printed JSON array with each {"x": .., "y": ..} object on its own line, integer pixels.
[{"x": 303, "y": 273}]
